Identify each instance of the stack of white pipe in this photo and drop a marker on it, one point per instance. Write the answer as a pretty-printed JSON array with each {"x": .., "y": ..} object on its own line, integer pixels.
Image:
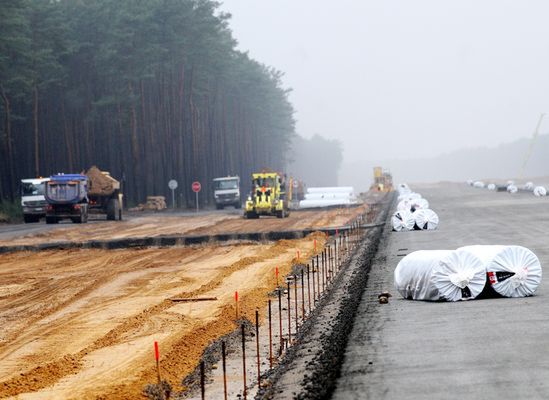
[
  {"x": 317, "y": 197},
  {"x": 462, "y": 274}
]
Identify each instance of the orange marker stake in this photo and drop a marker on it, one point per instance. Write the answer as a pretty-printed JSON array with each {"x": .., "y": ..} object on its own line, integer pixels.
[
  {"x": 157, "y": 358},
  {"x": 236, "y": 302},
  {"x": 297, "y": 255}
]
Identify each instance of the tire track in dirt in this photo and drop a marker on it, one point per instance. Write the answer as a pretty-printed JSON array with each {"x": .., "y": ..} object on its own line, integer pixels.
[{"x": 51, "y": 372}]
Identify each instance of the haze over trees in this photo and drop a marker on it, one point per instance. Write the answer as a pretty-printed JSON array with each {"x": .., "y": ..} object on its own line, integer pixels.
[
  {"x": 316, "y": 161},
  {"x": 148, "y": 90},
  {"x": 498, "y": 163}
]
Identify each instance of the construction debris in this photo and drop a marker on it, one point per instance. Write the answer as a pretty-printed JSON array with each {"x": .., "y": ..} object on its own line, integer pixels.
[{"x": 154, "y": 203}]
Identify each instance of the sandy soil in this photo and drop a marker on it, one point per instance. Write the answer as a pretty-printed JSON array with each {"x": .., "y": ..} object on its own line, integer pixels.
[
  {"x": 157, "y": 225},
  {"x": 81, "y": 324}
]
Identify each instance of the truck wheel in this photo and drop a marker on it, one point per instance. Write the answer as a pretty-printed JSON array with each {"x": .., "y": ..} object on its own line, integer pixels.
[
  {"x": 112, "y": 209},
  {"x": 281, "y": 214},
  {"x": 219, "y": 206},
  {"x": 77, "y": 220},
  {"x": 30, "y": 218},
  {"x": 51, "y": 220},
  {"x": 251, "y": 215}
]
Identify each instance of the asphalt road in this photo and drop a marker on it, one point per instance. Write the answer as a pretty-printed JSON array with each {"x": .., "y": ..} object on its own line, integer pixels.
[
  {"x": 479, "y": 349},
  {"x": 8, "y": 231}
]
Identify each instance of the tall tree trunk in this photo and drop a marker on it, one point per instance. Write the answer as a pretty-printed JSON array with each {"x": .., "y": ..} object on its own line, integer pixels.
[
  {"x": 9, "y": 143},
  {"x": 36, "y": 136},
  {"x": 68, "y": 146},
  {"x": 134, "y": 145}
]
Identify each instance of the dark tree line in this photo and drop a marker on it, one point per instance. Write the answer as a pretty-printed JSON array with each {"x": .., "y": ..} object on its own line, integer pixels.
[{"x": 150, "y": 90}]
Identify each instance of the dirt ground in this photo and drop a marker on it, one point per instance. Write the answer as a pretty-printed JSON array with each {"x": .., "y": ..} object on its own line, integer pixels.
[
  {"x": 214, "y": 223},
  {"x": 81, "y": 324}
]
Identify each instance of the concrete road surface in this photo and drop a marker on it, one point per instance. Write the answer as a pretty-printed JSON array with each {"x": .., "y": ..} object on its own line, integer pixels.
[{"x": 479, "y": 349}]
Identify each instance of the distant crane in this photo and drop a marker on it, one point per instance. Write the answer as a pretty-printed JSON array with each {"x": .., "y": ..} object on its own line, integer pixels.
[{"x": 531, "y": 147}]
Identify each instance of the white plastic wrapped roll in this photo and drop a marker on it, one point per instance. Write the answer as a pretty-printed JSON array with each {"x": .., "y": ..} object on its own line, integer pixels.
[
  {"x": 510, "y": 183},
  {"x": 540, "y": 191},
  {"x": 470, "y": 182},
  {"x": 403, "y": 188},
  {"x": 512, "y": 189},
  {"x": 491, "y": 186},
  {"x": 404, "y": 205},
  {"x": 403, "y": 220},
  {"x": 426, "y": 219},
  {"x": 460, "y": 275},
  {"x": 529, "y": 186},
  {"x": 413, "y": 196},
  {"x": 419, "y": 203},
  {"x": 513, "y": 271},
  {"x": 478, "y": 184},
  {"x": 413, "y": 274}
]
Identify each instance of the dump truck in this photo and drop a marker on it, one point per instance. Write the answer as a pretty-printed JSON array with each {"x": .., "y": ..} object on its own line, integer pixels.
[
  {"x": 33, "y": 200},
  {"x": 227, "y": 192},
  {"x": 75, "y": 196},
  {"x": 268, "y": 196}
]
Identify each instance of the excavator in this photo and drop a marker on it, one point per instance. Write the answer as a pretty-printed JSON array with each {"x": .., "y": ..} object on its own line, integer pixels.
[{"x": 268, "y": 196}]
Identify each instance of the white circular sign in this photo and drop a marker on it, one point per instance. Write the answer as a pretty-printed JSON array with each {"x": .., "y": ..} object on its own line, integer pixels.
[{"x": 172, "y": 184}]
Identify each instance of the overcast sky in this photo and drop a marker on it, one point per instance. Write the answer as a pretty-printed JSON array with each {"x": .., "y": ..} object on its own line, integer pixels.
[{"x": 405, "y": 78}]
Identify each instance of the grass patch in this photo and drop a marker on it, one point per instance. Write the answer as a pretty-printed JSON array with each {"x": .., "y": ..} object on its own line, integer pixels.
[{"x": 10, "y": 211}]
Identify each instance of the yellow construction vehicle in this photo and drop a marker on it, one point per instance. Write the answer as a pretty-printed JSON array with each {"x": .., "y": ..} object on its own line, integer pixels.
[
  {"x": 383, "y": 180},
  {"x": 268, "y": 196}
]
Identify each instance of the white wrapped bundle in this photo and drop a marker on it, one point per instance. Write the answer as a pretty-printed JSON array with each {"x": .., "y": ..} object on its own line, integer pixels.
[
  {"x": 513, "y": 271},
  {"x": 426, "y": 219},
  {"x": 403, "y": 220},
  {"x": 478, "y": 184},
  {"x": 540, "y": 191},
  {"x": 510, "y": 183},
  {"x": 413, "y": 274},
  {"x": 403, "y": 188},
  {"x": 491, "y": 186},
  {"x": 512, "y": 189},
  {"x": 404, "y": 205},
  {"x": 460, "y": 275},
  {"x": 416, "y": 204},
  {"x": 470, "y": 182},
  {"x": 529, "y": 186},
  {"x": 413, "y": 196}
]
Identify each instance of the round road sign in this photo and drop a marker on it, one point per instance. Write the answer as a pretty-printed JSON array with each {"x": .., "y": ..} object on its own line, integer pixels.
[
  {"x": 172, "y": 184},
  {"x": 196, "y": 187}
]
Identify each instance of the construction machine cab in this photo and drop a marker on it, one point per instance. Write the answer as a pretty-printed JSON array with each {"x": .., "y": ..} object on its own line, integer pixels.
[{"x": 268, "y": 196}]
